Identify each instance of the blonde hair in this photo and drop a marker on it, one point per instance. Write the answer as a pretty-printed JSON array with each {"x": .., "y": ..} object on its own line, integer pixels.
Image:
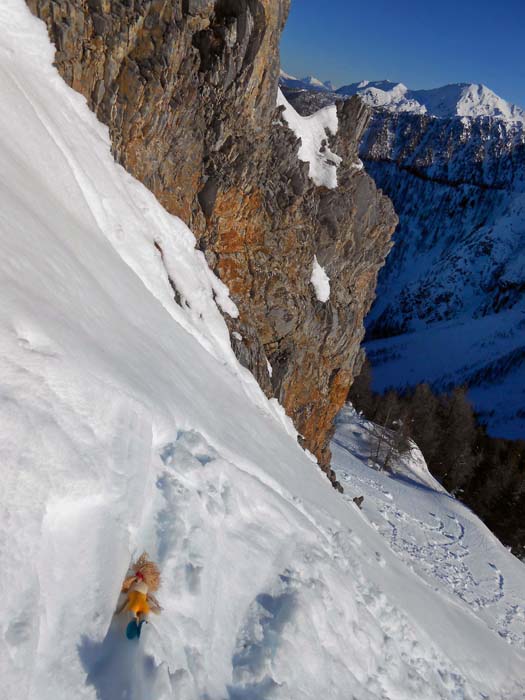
[{"x": 148, "y": 570}]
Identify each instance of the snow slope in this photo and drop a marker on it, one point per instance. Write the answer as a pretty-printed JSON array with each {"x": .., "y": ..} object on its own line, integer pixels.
[
  {"x": 126, "y": 423},
  {"x": 487, "y": 354},
  {"x": 437, "y": 536}
]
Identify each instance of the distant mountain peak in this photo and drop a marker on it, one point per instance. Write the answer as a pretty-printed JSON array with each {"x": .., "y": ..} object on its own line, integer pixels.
[
  {"x": 310, "y": 82},
  {"x": 287, "y": 76},
  {"x": 454, "y": 100}
]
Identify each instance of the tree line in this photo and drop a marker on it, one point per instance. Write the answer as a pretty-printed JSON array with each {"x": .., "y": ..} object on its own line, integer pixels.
[{"x": 486, "y": 473}]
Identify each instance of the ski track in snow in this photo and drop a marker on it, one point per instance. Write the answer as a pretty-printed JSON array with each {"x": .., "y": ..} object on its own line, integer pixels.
[
  {"x": 195, "y": 485},
  {"x": 434, "y": 546}
]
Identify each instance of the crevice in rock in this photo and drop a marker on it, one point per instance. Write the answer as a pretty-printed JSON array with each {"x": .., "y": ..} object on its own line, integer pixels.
[{"x": 176, "y": 294}]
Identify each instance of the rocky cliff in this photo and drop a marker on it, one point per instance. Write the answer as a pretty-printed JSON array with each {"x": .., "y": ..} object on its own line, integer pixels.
[{"x": 188, "y": 90}]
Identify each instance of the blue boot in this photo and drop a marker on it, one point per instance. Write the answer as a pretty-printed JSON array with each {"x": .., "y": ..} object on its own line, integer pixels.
[{"x": 132, "y": 630}]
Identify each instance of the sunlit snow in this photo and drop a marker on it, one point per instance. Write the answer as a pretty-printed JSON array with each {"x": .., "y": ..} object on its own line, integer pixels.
[{"x": 320, "y": 281}]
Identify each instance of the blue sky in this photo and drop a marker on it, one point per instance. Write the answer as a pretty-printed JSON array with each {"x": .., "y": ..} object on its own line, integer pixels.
[{"x": 420, "y": 43}]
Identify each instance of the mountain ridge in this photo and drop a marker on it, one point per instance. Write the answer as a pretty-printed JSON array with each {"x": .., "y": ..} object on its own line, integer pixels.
[{"x": 451, "y": 100}]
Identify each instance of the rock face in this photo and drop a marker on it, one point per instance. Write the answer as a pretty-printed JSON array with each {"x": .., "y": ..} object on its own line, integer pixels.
[{"x": 188, "y": 90}]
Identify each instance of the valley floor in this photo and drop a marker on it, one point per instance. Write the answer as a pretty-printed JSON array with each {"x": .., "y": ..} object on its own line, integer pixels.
[{"x": 486, "y": 354}]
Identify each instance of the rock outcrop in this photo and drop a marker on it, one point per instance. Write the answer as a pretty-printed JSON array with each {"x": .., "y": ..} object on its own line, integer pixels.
[{"x": 188, "y": 90}]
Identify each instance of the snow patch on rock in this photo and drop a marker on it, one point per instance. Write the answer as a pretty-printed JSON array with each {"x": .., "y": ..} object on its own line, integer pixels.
[
  {"x": 320, "y": 281},
  {"x": 314, "y": 133}
]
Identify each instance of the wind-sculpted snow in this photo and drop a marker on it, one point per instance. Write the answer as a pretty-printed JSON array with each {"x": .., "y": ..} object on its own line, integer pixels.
[{"x": 127, "y": 424}]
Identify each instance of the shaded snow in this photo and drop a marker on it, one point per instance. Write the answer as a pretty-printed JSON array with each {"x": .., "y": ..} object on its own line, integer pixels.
[
  {"x": 126, "y": 423},
  {"x": 314, "y": 133},
  {"x": 487, "y": 354},
  {"x": 320, "y": 281}
]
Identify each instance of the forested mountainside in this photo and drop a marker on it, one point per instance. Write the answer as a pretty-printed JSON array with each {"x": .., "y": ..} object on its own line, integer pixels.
[{"x": 453, "y": 289}]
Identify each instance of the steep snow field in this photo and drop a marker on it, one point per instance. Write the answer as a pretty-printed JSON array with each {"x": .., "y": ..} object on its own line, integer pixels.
[{"x": 126, "y": 423}]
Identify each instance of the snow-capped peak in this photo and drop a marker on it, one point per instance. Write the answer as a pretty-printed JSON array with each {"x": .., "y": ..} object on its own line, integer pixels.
[
  {"x": 314, "y": 82},
  {"x": 286, "y": 76},
  {"x": 308, "y": 83},
  {"x": 455, "y": 100},
  {"x": 472, "y": 100}
]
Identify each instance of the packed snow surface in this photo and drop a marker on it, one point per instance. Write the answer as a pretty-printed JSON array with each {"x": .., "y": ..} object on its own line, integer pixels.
[
  {"x": 126, "y": 424},
  {"x": 320, "y": 281},
  {"x": 314, "y": 133},
  {"x": 440, "y": 539}
]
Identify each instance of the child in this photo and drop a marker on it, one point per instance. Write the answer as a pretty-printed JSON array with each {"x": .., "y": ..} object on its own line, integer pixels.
[{"x": 139, "y": 588}]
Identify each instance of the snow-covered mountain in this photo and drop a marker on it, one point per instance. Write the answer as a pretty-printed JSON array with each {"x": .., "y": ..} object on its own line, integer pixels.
[
  {"x": 307, "y": 83},
  {"x": 456, "y": 100},
  {"x": 127, "y": 423},
  {"x": 453, "y": 289}
]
